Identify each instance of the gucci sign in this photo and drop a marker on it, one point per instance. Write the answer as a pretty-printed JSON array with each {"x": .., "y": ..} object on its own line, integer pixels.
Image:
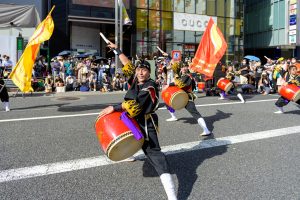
[{"x": 191, "y": 22}]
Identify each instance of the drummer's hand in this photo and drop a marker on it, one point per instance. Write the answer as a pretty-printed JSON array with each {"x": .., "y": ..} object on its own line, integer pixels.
[
  {"x": 164, "y": 87},
  {"x": 112, "y": 45},
  {"x": 107, "y": 110},
  {"x": 285, "y": 83}
]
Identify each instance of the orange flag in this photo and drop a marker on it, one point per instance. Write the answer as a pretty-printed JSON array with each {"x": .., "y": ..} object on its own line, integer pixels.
[{"x": 211, "y": 49}]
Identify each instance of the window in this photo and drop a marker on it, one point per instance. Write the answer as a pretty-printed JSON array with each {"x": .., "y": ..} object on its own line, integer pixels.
[
  {"x": 211, "y": 7},
  {"x": 201, "y": 7},
  {"x": 179, "y": 5},
  {"x": 189, "y": 6}
]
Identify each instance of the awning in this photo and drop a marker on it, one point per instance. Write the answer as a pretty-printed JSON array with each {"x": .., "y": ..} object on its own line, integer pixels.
[{"x": 18, "y": 16}]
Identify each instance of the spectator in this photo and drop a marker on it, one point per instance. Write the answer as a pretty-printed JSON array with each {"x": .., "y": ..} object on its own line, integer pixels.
[
  {"x": 48, "y": 84},
  {"x": 112, "y": 67},
  {"x": 59, "y": 82},
  {"x": 264, "y": 84},
  {"x": 93, "y": 80},
  {"x": 55, "y": 66},
  {"x": 62, "y": 70},
  {"x": 70, "y": 83},
  {"x": 116, "y": 83}
]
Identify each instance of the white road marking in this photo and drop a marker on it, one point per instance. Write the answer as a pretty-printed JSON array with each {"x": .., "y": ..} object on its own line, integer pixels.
[
  {"x": 85, "y": 163},
  {"x": 89, "y": 114}
]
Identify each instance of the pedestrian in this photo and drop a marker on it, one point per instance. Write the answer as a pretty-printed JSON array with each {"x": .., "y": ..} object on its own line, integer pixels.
[
  {"x": 4, "y": 95},
  {"x": 140, "y": 102}
]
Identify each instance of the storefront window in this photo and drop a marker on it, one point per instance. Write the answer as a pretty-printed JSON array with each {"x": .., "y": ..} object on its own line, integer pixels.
[
  {"x": 142, "y": 3},
  {"x": 189, "y": 37},
  {"x": 230, "y": 8},
  {"x": 201, "y": 7},
  {"x": 167, "y": 21},
  {"x": 167, "y": 5},
  {"x": 189, "y": 6},
  {"x": 141, "y": 23},
  {"x": 179, "y": 5},
  {"x": 211, "y": 7},
  {"x": 221, "y": 8},
  {"x": 154, "y": 4},
  {"x": 178, "y": 36}
]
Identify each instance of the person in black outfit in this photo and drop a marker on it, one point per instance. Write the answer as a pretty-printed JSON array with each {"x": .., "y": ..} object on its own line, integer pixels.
[
  {"x": 291, "y": 77},
  {"x": 4, "y": 95},
  {"x": 140, "y": 102},
  {"x": 187, "y": 83}
]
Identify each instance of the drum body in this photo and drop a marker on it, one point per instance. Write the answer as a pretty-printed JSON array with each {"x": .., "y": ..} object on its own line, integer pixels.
[
  {"x": 224, "y": 84},
  {"x": 201, "y": 86},
  {"x": 175, "y": 97},
  {"x": 115, "y": 138},
  {"x": 290, "y": 92}
]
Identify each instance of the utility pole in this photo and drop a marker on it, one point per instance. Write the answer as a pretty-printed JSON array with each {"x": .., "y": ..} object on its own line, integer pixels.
[
  {"x": 121, "y": 24},
  {"x": 116, "y": 32}
]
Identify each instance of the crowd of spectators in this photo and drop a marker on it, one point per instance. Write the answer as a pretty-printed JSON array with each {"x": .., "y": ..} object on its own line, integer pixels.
[{"x": 94, "y": 73}]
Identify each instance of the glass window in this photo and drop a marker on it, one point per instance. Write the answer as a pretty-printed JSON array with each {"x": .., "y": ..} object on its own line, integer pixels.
[
  {"x": 167, "y": 5},
  {"x": 154, "y": 4},
  {"x": 141, "y": 18},
  {"x": 189, "y": 6},
  {"x": 281, "y": 21},
  {"x": 179, "y": 5},
  {"x": 230, "y": 8},
  {"x": 221, "y": 8},
  {"x": 167, "y": 21},
  {"x": 154, "y": 20},
  {"x": 142, "y": 3},
  {"x": 178, "y": 36},
  {"x": 211, "y": 7},
  {"x": 201, "y": 7},
  {"x": 189, "y": 37}
]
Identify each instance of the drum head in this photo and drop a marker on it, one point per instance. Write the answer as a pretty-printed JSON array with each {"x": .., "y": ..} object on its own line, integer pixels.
[
  {"x": 296, "y": 96},
  {"x": 123, "y": 147},
  {"x": 179, "y": 100}
]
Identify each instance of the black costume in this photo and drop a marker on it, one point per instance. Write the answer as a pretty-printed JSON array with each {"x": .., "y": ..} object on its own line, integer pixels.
[
  {"x": 141, "y": 102},
  {"x": 187, "y": 83},
  {"x": 3, "y": 94},
  {"x": 290, "y": 79}
]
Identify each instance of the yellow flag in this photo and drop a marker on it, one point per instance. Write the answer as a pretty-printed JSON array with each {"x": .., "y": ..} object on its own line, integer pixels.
[
  {"x": 22, "y": 72},
  {"x": 126, "y": 19}
]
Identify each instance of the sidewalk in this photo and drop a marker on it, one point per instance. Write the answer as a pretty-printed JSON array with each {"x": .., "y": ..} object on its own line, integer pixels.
[{"x": 62, "y": 94}]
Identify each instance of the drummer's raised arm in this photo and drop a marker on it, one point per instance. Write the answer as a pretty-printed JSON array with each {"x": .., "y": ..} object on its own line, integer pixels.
[
  {"x": 128, "y": 68},
  {"x": 118, "y": 52}
]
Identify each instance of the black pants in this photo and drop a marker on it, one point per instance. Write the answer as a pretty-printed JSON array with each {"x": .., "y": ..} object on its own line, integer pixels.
[
  {"x": 191, "y": 108},
  {"x": 152, "y": 148},
  {"x": 283, "y": 102},
  {"x": 4, "y": 95}
]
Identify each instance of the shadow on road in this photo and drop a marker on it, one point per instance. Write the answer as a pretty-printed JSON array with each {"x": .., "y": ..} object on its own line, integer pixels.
[
  {"x": 185, "y": 165},
  {"x": 210, "y": 120},
  {"x": 78, "y": 108},
  {"x": 41, "y": 106}
]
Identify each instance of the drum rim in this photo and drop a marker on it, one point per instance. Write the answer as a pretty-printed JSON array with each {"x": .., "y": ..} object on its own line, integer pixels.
[
  {"x": 295, "y": 95},
  {"x": 97, "y": 119},
  {"x": 172, "y": 97},
  {"x": 114, "y": 142},
  {"x": 229, "y": 86}
]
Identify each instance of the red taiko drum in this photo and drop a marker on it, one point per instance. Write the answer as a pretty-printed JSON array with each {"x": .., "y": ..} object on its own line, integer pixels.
[
  {"x": 115, "y": 138},
  {"x": 290, "y": 92},
  {"x": 201, "y": 85},
  {"x": 175, "y": 97},
  {"x": 224, "y": 84}
]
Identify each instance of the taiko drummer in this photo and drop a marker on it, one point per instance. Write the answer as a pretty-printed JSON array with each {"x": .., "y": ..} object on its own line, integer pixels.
[
  {"x": 140, "y": 102},
  {"x": 228, "y": 81},
  {"x": 185, "y": 82},
  {"x": 291, "y": 77}
]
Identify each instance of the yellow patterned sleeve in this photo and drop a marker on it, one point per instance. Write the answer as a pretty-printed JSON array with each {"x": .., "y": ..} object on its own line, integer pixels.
[
  {"x": 179, "y": 83},
  {"x": 132, "y": 108},
  {"x": 128, "y": 69}
]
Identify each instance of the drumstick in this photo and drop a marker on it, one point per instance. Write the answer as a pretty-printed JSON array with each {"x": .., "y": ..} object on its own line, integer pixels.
[
  {"x": 104, "y": 38},
  {"x": 160, "y": 49}
]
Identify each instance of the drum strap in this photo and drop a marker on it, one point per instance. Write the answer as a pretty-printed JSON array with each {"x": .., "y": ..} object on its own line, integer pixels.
[{"x": 149, "y": 116}]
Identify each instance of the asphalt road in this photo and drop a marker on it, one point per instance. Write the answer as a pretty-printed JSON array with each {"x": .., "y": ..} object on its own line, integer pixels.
[{"x": 234, "y": 163}]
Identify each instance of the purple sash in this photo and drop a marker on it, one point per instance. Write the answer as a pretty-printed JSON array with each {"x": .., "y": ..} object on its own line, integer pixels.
[
  {"x": 170, "y": 109},
  {"x": 128, "y": 122}
]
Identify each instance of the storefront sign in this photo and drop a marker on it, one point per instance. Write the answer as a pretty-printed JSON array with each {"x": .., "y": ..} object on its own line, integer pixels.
[
  {"x": 294, "y": 6},
  {"x": 293, "y": 12},
  {"x": 293, "y": 1},
  {"x": 293, "y": 32},
  {"x": 293, "y": 19},
  {"x": 292, "y": 39},
  {"x": 176, "y": 55},
  {"x": 191, "y": 22}
]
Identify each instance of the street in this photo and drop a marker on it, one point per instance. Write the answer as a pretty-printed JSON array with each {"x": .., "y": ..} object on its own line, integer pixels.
[{"x": 49, "y": 150}]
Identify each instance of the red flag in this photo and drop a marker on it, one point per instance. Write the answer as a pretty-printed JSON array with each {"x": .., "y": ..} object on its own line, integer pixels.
[{"x": 211, "y": 49}]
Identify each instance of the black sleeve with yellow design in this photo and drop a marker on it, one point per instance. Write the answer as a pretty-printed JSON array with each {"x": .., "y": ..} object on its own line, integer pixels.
[
  {"x": 128, "y": 69},
  {"x": 132, "y": 107},
  {"x": 183, "y": 81},
  {"x": 295, "y": 81}
]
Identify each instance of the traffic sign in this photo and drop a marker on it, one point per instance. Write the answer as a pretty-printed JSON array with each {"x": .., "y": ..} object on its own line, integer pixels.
[{"x": 176, "y": 55}]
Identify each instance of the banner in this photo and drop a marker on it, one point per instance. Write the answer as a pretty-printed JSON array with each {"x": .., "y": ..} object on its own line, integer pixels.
[
  {"x": 211, "y": 49},
  {"x": 22, "y": 72}
]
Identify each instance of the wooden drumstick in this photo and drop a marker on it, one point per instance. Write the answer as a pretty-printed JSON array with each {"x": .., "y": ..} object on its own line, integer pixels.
[
  {"x": 104, "y": 38},
  {"x": 161, "y": 51}
]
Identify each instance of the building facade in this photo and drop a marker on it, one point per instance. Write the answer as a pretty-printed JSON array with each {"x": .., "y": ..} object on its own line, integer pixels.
[
  {"x": 169, "y": 24},
  {"x": 272, "y": 28}
]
